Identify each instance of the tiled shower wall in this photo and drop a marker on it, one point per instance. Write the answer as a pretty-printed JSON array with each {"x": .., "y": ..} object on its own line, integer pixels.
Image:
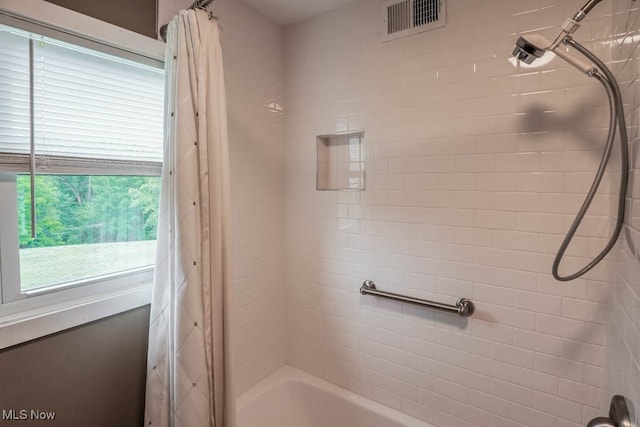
[
  {"x": 475, "y": 168},
  {"x": 254, "y": 71},
  {"x": 623, "y": 334},
  {"x": 254, "y": 78}
]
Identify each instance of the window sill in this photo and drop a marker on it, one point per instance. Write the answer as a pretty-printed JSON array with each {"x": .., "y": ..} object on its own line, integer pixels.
[{"x": 19, "y": 326}]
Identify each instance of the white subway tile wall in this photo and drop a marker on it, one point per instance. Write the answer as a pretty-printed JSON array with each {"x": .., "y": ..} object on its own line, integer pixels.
[
  {"x": 253, "y": 49},
  {"x": 623, "y": 332},
  {"x": 475, "y": 169}
]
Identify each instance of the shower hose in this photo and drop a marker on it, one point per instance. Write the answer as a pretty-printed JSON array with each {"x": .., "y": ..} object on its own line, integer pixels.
[{"x": 616, "y": 118}]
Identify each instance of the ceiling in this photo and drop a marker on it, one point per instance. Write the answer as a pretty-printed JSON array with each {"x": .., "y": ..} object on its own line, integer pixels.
[{"x": 287, "y": 12}]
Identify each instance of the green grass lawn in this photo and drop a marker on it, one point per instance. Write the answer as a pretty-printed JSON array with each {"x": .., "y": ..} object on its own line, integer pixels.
[{"x": 60, "y": 264}]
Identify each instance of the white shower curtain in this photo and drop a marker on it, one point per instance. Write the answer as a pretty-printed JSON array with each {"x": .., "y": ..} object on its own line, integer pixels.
[{"x": 186, "y": 361}]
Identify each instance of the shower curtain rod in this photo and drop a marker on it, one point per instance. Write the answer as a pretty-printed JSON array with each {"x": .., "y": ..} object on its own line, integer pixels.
[{"x": 200, "y": 4}]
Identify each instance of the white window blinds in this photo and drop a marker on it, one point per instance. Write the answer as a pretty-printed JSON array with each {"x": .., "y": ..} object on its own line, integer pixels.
[
  {"x": 14, "y": 92},
  {"x": 92, "y": 112}
]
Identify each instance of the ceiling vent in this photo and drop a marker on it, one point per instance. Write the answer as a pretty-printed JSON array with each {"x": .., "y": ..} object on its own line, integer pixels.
[{"x": 405, "y": 17}]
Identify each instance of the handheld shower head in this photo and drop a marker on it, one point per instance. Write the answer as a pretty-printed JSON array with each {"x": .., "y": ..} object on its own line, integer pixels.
[
  {"x": 534, "y": 46},
  {"x": 527, "y": 51}
]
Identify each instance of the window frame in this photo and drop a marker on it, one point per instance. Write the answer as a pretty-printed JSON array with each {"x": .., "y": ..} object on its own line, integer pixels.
[
  {"x": 26, "y": 315},
  {"x": 9, "y": 256}
]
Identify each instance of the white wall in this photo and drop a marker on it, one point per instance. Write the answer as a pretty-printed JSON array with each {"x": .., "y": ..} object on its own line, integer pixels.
[
  {"x": 475, "y": 169},
  {"x": 253, "y": 65},
  {"x": 254, "y": 73},
  {"x": 623, "y": 334}
]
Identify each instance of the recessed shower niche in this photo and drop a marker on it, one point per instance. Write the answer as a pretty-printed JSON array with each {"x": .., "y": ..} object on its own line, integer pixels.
[{"x": 340, "y": 162}]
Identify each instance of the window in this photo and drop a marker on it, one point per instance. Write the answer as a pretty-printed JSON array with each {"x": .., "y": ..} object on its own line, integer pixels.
[
  {"x": 81, "y": 132},
  {"x": 86, "y": 227},
  {"x": 69, "y": 111}
]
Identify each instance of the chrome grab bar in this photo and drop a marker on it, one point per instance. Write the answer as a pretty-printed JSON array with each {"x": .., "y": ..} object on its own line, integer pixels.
[{"x": 463, "y": 307}]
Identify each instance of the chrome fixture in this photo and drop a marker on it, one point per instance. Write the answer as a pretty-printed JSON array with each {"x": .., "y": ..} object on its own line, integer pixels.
[
  {"x": 534, "y": 46},
  {"x": 526, "y": 51},
  {"x": 463, "y": 307},
  {"x": 618, "y": 415}
]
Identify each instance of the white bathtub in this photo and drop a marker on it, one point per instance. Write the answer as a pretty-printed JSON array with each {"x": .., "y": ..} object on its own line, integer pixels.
[{"x": 292, "y": 398}]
